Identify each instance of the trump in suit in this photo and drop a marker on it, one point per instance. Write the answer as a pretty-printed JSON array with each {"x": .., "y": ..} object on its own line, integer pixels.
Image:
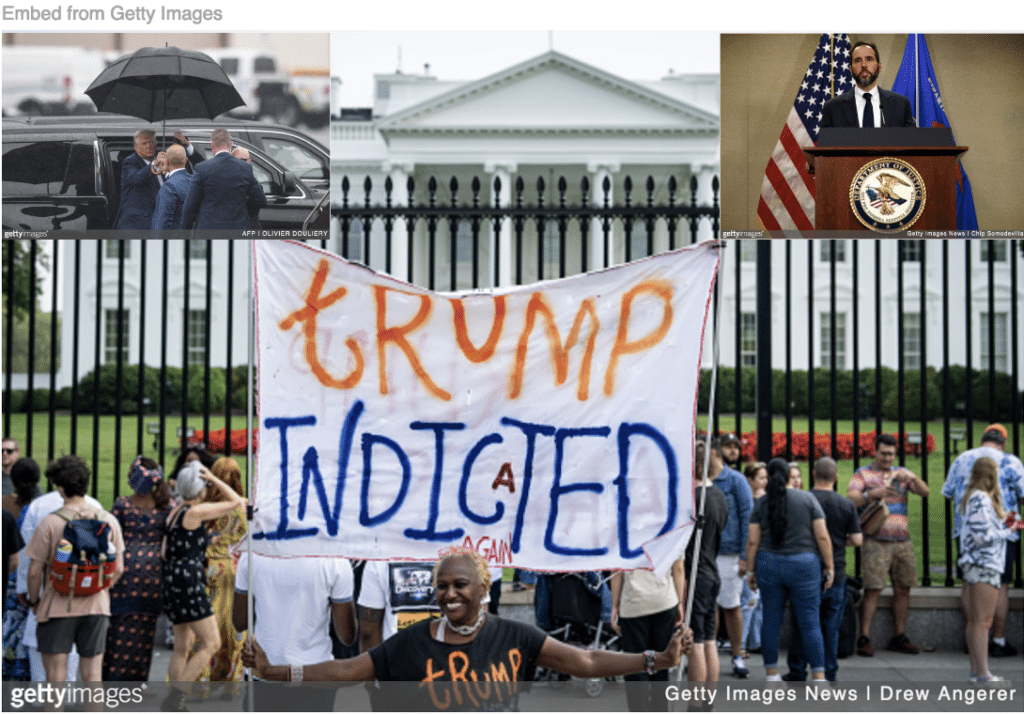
[
  {"x": 867, "y": 105},
  {"x": 140, "y": 183},
  {"x": 170, "y": 201},
  {"x": 222, "y": 191}
]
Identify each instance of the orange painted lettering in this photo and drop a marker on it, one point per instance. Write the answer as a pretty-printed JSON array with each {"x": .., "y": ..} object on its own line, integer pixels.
[
  {"x": 500, "y": 674},
  {"x": 660, "y": 289},
  {"x": 483, "y": 687},
  {"x": 397, "y": 334},
  {"x": 559, "y": 352},
  {"x": 474, "y": 354},
  {"x": 459, "y": 675},
  {"x": 505, "y": 478},
  {"x": 429, "y": 679},
  {"x": 307, "y": 316},
  {"x": 515, "y": 657}
]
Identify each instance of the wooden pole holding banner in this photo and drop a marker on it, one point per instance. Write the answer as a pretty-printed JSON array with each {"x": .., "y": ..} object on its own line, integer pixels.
[
  {"x": 699, "y": 527},
  {"x": 248, "y": 466}
]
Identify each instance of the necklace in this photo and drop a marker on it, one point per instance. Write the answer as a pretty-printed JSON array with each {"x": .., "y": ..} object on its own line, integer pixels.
[{"x": 463, "y": 629}]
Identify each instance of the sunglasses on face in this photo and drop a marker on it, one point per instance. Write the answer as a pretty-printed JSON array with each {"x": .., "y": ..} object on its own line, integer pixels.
[{"x": 10, "y": 451}]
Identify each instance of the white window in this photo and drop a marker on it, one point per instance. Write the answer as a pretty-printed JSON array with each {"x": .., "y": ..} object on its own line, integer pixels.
[
  {"x": 826, "y": 339},
  {"x": 912, "y": 251},
  {"x": 198, "y": 249},
  {"x": 196, "y": 337},
  {"x": 748, "y": 339},
  {"x": 836, "y": 247},
  {"x": 114, "y": 248},
  {"x": 748, "y": 251},
  {"x": 1000, "y": 342},
  {"x": 998, "y": 251},
  {"x": 115, "y": 323},
  {"x": 912, "y": 340}
]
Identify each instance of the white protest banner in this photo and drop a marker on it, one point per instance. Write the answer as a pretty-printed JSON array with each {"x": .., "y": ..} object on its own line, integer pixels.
[{"x": 549, "y": 426}]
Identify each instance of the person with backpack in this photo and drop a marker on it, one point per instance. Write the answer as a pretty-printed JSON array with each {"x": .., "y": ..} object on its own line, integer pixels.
[{"x": 71, "y": 552}]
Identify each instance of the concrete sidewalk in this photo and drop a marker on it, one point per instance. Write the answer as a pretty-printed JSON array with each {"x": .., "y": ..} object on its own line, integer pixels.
[{"x": 885, "y": 666}]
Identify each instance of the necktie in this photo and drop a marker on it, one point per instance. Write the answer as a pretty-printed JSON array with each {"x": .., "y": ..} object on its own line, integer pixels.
[{"x": 869, "y": 113}]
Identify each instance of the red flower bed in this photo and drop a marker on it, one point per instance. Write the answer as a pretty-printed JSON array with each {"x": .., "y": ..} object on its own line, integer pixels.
[
  {"x": 215, "y": 440},
  {"x": 845, "y": 445},
  {"x": 801, "y": 444}
]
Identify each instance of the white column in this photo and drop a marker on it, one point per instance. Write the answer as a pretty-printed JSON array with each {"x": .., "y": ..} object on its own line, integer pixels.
[
  {"x": 599, "y": 170},
  {"x": 705, "y": 174},
  {"x": 503, "y": 170},
  {"x": 399, "y": 173}
]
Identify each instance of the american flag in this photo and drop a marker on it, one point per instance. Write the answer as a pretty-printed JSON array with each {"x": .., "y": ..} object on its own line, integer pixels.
[{"x": 787, "y": 191}]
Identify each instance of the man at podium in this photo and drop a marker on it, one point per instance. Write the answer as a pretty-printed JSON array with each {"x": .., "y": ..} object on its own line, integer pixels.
[{"x": 867, "y": 105}]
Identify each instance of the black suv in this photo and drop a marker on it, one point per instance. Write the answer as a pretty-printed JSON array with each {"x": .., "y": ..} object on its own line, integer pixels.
[{"x": 64, "y": 173}]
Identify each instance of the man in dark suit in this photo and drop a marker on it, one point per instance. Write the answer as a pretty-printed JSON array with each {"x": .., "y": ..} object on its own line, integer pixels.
[
  {"x": 240, "y": 152},
  {"x": 171, "y": 199},
  {"x": 140, "y": 183},
  {"x": 867, "y": 105},
  {"x": 222, "y": 191}
]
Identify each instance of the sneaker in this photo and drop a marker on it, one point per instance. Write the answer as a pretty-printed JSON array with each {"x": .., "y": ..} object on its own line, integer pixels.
[
  {"x": 794, "y": 677},
  {"x": 738, "y": 668},
  {"x": 864, "y": 648},
  {"x": 900, "y": 643},
  {"x": 997, "y": 650},
  {"x": 772, "y": 678},
  {"x": 986, "y": 678}
]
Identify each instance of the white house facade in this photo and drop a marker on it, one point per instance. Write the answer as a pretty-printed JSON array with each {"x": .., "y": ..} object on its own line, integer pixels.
[{"x": 548, "y": 118}]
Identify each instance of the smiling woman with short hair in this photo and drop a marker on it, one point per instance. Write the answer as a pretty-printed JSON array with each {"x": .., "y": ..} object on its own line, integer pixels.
[{"x": 467, "y": 643}]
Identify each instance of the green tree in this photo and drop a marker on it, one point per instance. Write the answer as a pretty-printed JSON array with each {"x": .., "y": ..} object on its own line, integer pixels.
[{"x": 19, "y": 292}]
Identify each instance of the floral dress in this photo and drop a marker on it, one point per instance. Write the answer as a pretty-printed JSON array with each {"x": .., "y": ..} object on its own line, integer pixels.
[
  {"x": 137, "y": 598},
  {"x": 185, "y": 597}
]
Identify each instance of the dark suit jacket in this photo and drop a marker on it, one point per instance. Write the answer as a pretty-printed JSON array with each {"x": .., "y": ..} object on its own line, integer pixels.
[
  {"x": 139, "y": 187},
  {"x": 170, "y": 201},
  {"x": 222, "y": 191},
  {"x": 842, "y": 110}
]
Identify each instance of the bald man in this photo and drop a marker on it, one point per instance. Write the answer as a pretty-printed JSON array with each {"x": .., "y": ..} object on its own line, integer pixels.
[
  {"x": 240, "y": 152},
  {"x": 171, "y": 198}
]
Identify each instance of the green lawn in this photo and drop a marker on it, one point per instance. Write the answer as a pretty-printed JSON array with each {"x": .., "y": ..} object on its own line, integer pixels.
[
  {"x": 933, "y": 469},
  {"x": 102, "y": 462}
]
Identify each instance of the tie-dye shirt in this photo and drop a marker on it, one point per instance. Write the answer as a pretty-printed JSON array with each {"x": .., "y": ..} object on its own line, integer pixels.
[
  {"x": 868, "y": 478},
  {"x": 983, "y": 535}
]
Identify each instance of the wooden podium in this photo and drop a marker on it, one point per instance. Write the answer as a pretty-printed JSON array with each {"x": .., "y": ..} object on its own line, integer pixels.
[{"x": 842, "y": 155}]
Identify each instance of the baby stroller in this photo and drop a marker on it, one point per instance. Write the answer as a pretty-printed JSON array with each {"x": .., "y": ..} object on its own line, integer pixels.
[{"x": 574, "y": 616}]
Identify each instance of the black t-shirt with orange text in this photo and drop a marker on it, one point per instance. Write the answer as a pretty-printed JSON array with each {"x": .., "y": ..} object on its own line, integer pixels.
[{"x": 484, "y": 673}]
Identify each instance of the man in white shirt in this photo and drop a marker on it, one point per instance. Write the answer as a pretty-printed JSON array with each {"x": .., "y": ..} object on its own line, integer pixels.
[{"x": 295, "y": 600}]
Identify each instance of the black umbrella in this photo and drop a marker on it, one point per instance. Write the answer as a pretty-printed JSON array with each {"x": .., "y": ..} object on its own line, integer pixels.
[{"x": 161, "y": 83}]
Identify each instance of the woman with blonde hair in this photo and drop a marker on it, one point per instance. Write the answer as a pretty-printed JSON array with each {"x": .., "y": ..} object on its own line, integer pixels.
[
  {"x": 982, "y": 559},
  {"x": 226, "y": 532}
]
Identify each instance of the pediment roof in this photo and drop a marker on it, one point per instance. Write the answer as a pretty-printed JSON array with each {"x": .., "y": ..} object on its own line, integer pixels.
[{"x": 551, "y": 93}]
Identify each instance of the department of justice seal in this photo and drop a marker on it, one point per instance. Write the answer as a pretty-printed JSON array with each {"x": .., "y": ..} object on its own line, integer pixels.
[{"x": 887, "y": 195}]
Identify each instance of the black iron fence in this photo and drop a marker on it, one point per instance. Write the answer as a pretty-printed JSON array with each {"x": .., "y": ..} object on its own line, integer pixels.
[
  {"x": 555, "y": 231},
  {"x": 921, "y": 338}
]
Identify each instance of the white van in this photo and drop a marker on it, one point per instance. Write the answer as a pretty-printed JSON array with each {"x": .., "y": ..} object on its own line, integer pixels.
[{"x": 44, "y": 80}]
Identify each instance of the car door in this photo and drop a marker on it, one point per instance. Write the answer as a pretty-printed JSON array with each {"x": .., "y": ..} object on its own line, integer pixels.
[{"x": 51, "y": 185}]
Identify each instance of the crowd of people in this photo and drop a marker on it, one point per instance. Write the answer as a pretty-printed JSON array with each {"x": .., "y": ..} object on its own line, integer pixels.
[
  {"x": 180, "y": 188},
  {"x": 763, "y": 541}
]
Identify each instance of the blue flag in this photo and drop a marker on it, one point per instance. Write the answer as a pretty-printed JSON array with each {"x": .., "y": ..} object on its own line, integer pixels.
[{"x": 931, "y": 113}]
